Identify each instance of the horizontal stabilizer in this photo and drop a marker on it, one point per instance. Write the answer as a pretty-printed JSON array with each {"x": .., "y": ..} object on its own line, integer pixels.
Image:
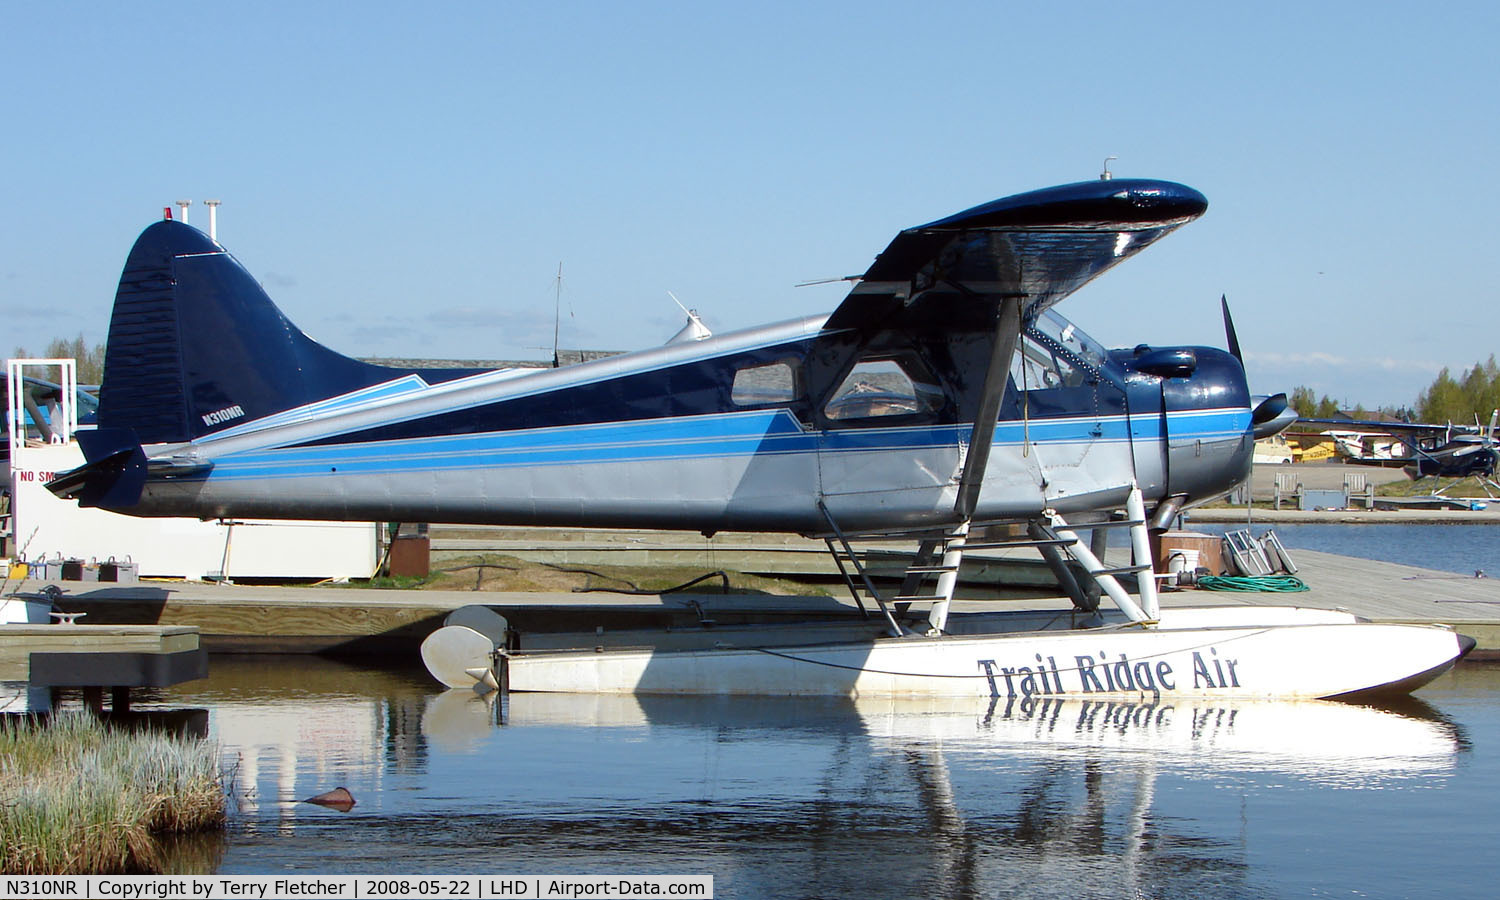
[{"x": 114, "y": 474}]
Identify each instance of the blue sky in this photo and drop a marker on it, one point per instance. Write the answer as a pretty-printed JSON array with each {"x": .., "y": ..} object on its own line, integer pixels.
[{"x": 404, "y": 178}]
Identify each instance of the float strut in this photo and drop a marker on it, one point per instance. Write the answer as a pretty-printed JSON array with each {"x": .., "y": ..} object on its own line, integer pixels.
[
  {"x": 1140, "y": 553},
  {"x": 1079, "y": 550},
  {"x": 953, "y": 557}
]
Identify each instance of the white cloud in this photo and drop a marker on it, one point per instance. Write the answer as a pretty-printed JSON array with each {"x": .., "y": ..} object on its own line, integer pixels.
[{"x": 1331, "y": 360}]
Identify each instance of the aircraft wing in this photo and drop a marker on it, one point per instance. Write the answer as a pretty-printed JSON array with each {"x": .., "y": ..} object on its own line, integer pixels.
[
  {"x": 1039, "y": 246},
  {"x": 1424, "y": 429}
]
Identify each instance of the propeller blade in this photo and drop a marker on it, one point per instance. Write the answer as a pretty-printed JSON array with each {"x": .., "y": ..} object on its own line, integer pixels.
[
  {"x": 1272, "y": 416},
  {"x": 1234, "y": 341},
  {"x": 1269, "y": 408}
]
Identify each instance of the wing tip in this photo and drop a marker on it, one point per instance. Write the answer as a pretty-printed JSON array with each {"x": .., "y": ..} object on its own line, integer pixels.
[{"x": 1117, "y": 204}]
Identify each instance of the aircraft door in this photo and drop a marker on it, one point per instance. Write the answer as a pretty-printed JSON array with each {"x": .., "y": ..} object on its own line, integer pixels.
[
  {"x": 1072, "y": 415},
  {"x": 883, "y": 454}
]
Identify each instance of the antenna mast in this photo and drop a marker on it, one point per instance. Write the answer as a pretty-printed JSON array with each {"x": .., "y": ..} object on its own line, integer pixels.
[
  {"x": 557, "y": 318},
  {"x": 213, "y": 219}
]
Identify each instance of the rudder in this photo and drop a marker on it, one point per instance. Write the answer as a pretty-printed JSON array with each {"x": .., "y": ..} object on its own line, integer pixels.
[{"x": 195, "y": 345}]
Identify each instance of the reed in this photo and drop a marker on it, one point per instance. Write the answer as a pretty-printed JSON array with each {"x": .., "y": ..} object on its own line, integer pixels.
[{"x": 77, "y": 797}]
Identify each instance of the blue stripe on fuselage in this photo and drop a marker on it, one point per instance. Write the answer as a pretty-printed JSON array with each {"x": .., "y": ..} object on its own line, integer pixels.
[{"x": 739, "y": 434}]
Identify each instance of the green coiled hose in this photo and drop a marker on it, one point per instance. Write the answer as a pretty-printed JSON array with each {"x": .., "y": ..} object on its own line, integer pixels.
[{"x": 1268, "y": 584}]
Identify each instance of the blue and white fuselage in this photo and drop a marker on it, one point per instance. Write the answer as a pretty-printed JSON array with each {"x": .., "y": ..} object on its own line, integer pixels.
[
  {"x": 215, "y": 405},
  {"x": 388, "y": 453}
]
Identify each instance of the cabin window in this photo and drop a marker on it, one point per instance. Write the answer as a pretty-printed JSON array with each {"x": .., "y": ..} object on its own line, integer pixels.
[
  {"x": 877, "y": 388},
  {"x": 759, "y": 385}
]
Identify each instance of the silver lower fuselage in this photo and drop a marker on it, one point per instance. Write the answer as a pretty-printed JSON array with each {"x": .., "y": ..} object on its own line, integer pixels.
[{"x": 756, "y": 471}]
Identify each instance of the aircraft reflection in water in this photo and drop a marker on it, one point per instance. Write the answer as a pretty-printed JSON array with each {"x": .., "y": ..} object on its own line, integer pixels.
[
  {"x": 783, "y": 796},
  {"x": 1014, "y": 797},
  {"x": 945, "y": 394}
]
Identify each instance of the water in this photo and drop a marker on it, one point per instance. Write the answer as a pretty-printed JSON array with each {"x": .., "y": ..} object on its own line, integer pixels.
[
  {"x": 1448, "y": 548},
  {"x": 880, "y": 799},
  {"x": 835, "y": 798}
]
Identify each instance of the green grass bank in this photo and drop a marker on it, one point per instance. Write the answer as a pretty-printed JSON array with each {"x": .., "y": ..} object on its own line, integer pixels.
[{"x": 77, "y": 797}]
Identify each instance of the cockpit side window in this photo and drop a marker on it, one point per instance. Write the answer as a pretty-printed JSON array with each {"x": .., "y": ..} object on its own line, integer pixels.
[
  {"x": 880, "y": 387},
  {"x": 773, "y": 383},
  {"x": 1038, "y": 367},
  {"x": 1055, "y": 329},
  {"x": 1059, "y": 371}
]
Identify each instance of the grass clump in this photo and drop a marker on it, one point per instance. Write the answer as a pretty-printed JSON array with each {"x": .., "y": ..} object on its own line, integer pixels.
[
  {"x": 76, "y": 797},
  {"x": 1428, "y": 485}
]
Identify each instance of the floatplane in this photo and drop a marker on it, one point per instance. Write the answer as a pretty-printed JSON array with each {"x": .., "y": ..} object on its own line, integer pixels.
[
  {"x": 1423, "y": 449},
  {"x": 945, "y": 401}
]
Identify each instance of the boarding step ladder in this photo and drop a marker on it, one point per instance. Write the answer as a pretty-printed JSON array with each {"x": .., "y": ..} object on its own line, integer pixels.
[
  {"x": 953, "y": 545},
  {"x": 939, "y": 555},
  {"x": 857, "y": 576}
]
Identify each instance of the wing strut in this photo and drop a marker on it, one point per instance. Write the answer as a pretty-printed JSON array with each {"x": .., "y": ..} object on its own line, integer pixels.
[{"x": 1007, "y": 330}]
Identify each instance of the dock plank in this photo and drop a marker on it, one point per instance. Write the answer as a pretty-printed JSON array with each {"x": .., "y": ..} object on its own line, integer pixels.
[
  {"x": 315, "y": 619},
  {"x": 20, "y": 644}
]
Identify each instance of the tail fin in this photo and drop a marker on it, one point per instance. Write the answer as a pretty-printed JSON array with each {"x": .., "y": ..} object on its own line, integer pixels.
[{"x": 195, "y": 345}]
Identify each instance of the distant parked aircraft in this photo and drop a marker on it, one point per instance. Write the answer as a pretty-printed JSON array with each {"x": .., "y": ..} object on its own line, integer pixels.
[{"x": 1428, "y": 449}]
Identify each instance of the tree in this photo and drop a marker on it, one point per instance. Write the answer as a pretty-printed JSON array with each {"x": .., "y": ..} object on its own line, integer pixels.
[
  {"x": 1309, "y": 406},
  {"x": 90, "y": 359},
  {"x": 1449, "y": 399}
]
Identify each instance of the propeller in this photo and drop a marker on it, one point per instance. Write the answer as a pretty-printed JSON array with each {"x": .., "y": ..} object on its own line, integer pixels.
[
  {"x": 1486, "y": 440},
  {"x": 1234, "y": 341},
  {"x": 1270, "y": 408},
  {"x": 1272, "y": 414}
]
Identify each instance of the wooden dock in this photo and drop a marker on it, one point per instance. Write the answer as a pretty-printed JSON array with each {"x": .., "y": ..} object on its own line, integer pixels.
[
  {"x": 98, "y": 657},
  {"x": 374, "y": 622},
  {"x": 1227, "y": 515},
  {"x": 783, "y": 554},
  {"x": 1382, "y": 592},
  {"x": 383, "y": 622}
]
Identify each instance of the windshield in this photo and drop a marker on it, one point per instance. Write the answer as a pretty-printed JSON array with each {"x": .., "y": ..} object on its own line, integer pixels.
[{"x": 1071, "y": 338}]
